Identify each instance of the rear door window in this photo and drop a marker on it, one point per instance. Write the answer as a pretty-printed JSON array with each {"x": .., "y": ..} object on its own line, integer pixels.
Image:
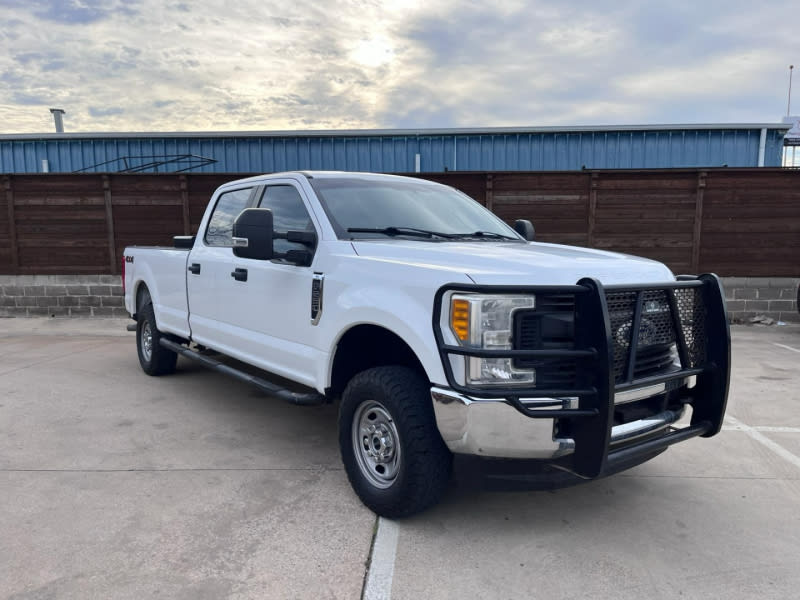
[{"x": 229, "y": 205}]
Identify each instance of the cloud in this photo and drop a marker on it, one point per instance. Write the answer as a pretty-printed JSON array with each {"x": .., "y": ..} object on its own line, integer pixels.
[
  {"x": 96, "y": 111},
  {"x": 28, "y": 99},
  {"x": 268, "y": 64},
  {"x": 78, "y": 12}
]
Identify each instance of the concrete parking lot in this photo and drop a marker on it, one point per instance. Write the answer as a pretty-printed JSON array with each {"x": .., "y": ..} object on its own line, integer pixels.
[{"x": 118, "y": 485}]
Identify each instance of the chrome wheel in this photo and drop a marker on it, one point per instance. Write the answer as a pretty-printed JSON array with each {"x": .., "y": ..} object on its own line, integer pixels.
[
  {"x": 376, "y": 444},
  {"x": 147, "y": 341}
]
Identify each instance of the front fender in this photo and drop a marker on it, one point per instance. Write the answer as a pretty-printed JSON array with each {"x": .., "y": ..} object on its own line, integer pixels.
[{"x": 403, "y": 314}]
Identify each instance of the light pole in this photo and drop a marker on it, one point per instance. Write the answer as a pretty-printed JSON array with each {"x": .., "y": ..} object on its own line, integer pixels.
[{"x": 789, "y": 102}]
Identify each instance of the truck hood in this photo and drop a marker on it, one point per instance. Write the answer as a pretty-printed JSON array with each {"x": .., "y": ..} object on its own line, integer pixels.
[{"x": 499, "y": 263}]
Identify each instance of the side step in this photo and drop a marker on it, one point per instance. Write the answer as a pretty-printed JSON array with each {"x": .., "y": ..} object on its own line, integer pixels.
[{"x": 300, "y": 398}]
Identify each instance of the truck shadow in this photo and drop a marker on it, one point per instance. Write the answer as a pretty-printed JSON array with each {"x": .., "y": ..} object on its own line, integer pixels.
[
  {"x": 267, "y": 429},
  {"x": 542, "y": 504}
]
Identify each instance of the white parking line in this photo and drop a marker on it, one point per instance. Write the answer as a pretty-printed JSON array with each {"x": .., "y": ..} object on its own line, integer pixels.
[
  {"x": 381, "y": 565},
  {"x": 764, "y": 440},
  {"x": 785, "y": 346},
  {"x": 765, "y": 428}
]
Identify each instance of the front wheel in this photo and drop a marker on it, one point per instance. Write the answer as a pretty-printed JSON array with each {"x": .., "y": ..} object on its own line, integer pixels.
[
  {"x": 392, "y": 451},
  {"x": 153, "y": 357}
]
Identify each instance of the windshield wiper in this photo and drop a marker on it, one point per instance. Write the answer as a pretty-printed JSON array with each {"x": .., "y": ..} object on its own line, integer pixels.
[
  {"x": 392, "y": 231},
  {"x": 484, "y": 234}
]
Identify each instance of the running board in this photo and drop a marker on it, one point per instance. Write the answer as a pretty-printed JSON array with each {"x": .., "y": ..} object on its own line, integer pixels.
[{"x": 300, "y": 398}]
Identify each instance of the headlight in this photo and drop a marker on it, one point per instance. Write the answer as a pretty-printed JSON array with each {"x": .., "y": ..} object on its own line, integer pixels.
[{"x": 485, "y": 321}]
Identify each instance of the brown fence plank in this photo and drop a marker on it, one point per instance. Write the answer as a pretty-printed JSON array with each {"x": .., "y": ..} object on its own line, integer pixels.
[
  {"x": 187, "y": 227},
  {"x": 112, "y": 253},
  {"x": 593, "y": 183},
  {"x": 13, "y": 253},
  {"x": 698, "y": 220}
]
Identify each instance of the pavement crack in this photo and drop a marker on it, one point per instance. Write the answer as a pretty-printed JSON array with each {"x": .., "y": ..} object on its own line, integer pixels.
[{"x": 368, "y": 562}]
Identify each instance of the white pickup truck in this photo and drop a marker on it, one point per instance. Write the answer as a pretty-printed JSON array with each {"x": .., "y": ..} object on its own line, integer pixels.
[{"x": 438, "y": 328}]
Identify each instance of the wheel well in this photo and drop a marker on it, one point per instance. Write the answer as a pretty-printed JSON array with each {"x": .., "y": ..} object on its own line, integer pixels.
[
  {"x": 367, "y": 346},
  {"x": 142, "y": 296}
]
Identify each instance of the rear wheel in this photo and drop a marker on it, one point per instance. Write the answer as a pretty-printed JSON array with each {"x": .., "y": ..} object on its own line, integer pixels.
[
  {"x": 392, "y": 451},
  {"x": 153, "y": 357}
]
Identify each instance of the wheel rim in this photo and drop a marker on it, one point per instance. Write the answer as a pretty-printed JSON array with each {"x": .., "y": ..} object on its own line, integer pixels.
[
  {"x": 376, "y": 444},
  {"x": 147, "y": 341}
]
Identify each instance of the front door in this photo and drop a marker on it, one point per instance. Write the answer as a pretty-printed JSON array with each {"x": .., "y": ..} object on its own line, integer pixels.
[{"x": 267, "y": 316}]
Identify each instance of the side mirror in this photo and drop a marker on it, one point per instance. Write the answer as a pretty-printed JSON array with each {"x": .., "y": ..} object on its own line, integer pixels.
[
  {"x": 525, "y": 229},
  {"x": 252, "y": 234}
]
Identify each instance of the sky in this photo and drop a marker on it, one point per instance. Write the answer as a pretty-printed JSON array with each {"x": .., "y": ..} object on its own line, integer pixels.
[{"x": 163, "y": 65}]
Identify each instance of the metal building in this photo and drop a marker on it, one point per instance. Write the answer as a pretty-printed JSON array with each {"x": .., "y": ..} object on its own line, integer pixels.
[
  {"x": 791, "y": 142},
  {"x": 400, "y": 151}
]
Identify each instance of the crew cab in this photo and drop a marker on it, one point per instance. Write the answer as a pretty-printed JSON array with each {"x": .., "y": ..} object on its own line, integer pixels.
[{"x": 437, "y": 327}]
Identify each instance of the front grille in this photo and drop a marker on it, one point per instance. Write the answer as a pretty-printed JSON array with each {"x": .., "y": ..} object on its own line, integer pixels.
[
  {"x": 528, "y": 333},
  {"x": 692, "y": 316},
  {"x": 559, "y": 303},
  {"x": 656, "y": 333},
  {"x": 620, "y": 315},
  {"x": 653, "y": 360},
  {"x": 656, "y": 344},
  {"x": 551, "y": 326}
]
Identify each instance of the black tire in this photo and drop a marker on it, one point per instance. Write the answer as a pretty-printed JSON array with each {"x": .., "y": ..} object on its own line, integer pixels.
[
  {"x": 405, "y": 467},
  {"x": 153, "y": 357}
]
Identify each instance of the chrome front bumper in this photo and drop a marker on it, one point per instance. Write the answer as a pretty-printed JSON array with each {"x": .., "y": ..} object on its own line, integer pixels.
[{"x": 490, "y": 427}]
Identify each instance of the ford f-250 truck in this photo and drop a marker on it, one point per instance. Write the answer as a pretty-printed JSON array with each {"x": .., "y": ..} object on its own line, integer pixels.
[{"x": 439, "y": 328}]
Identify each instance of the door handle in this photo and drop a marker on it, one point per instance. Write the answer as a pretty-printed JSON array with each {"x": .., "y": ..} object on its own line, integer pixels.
[
  {"x": 194, "y": 268},
  {"x": 239, "y": 274}
]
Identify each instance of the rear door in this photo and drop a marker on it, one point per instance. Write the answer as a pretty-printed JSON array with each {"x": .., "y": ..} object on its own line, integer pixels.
[{"x": 209, "y": 265}]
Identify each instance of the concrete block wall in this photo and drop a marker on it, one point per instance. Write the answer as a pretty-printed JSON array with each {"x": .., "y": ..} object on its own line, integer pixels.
[
  {"x": 61, "y": 296},
  {"x": 773, "y": 297},
  {"x": 101, "y": 296}
]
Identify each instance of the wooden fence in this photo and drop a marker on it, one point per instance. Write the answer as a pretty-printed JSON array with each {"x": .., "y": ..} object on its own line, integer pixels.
[{"x": 735, "y": 222}]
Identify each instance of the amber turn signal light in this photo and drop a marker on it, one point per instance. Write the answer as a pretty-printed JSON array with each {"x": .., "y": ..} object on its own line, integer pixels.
[{"x": 459, "y": 318}]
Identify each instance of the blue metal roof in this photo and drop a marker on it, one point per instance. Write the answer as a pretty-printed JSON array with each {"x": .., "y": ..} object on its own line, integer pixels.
[{"x": 395, "y": 151}]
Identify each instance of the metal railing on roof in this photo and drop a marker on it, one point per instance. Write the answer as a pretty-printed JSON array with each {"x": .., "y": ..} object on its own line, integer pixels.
[{"x": 130, "y": 164}]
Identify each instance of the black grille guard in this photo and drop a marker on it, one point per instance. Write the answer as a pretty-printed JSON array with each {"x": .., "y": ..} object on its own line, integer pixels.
[{"x": 703, "y": 344}]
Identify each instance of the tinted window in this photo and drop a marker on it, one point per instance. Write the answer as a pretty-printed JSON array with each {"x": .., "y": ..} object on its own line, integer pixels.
[
  {"x": 379, "y": 203},
  {"x": 229, "y": 205},
  {"x": 288, "y": 214}
]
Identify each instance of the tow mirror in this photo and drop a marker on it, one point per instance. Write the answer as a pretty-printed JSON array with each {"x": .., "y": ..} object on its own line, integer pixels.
[
  {"x": 252, "y": 234},
  {"x": 525, "y": 229}
]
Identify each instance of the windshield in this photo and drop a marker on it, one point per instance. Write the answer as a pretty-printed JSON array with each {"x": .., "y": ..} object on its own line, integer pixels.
[{"x": 363, "y": 208}]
